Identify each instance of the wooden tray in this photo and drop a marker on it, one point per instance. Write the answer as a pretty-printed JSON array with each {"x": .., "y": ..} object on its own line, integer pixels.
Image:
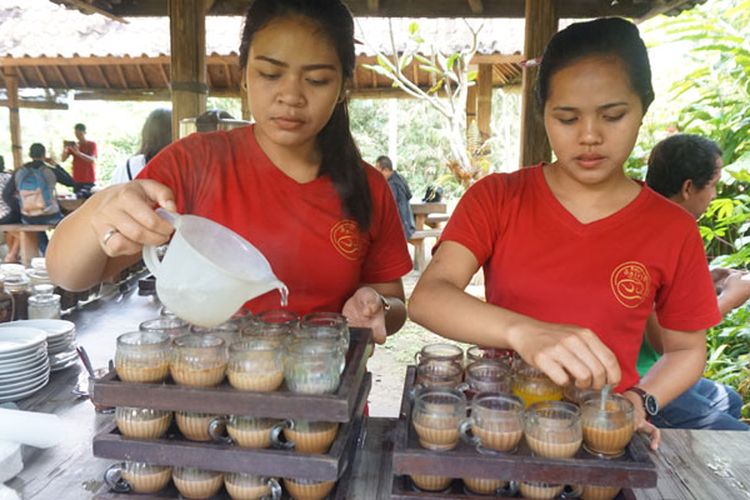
[
  {"x": 633, "y": 470},
  {"x": 225, "y": 400},
  {"x": 229, "y": 458}
]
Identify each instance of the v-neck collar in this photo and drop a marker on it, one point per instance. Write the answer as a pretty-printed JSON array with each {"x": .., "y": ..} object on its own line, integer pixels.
[{"x": 569, "y": 220}]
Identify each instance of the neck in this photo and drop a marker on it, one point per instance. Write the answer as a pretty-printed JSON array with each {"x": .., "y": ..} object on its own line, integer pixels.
[
  {"x": 300, "y": 162},
  {"x": 388, "y": 173}
]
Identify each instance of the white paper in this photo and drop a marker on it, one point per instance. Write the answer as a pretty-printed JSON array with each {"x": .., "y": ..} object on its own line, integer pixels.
[{"x": 41, "y": 430}]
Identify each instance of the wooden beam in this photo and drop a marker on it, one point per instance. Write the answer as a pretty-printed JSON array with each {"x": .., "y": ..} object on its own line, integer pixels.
[
  {"x": 61, "y": 75},
  {"x": 484, "y": 100},
  {"x": 103, "y": 77},
  {"x": 82, "y": 78},
  {"x": 471, "y": 107},
  {"x": 187, "y": 30},
  {"x": 123, "y": 95},
  {"x": 476, "y": 6},
  {"x": 11, "y": 84},
  {"x": 40, "y": 75},
  {"x": 142, "y": 76},
  {"x": 373, "y": 6},
  {"x": 164, "y": 75},
  {"x": 662, "y": 8},
  {"x": 23, "y": 103},
  {"x": 541, "y": 25}
]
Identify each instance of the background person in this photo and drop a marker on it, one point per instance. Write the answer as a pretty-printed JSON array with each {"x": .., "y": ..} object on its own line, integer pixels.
[
  {"x": 84, "y": 155},
  {"x": 293, "y": 184},
  {"x": 401, "y": 193},
  {"x": 9, "y": 214},
  {"x": 685, "y": 169},
  {"x": 577, "y": 255},
  {"x": 155, "y": 135}
]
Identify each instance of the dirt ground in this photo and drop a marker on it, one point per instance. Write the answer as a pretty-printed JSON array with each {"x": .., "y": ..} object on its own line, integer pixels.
[{"x": 388, "y": 364}]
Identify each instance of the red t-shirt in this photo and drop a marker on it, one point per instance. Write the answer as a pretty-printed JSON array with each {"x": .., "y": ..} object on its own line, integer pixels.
[
  {"x": 83, "y": 171},
  {"x": 607, "y": 275},
  {"x": 300, "y": 228}
]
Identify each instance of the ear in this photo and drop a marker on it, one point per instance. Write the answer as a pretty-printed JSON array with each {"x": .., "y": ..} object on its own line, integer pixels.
[
  {"x": 243, "y": 82},
  {"x": 686, "y": 189}
]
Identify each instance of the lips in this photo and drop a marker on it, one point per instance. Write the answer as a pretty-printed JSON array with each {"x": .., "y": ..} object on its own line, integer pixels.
[
  {"x": 589, "y": 160},
  {"x": 288, "y": 123}
]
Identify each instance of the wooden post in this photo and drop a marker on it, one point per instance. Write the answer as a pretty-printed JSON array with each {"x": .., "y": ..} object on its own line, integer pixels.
[
  {"x": 11, "y": 84},
  {"x": 245, "y": 103},
  {"x": 187, "y": 30},
  {"x": 471, "y": 107},
  {"x": 484, "y": 100},
  {"x": 541, "y": 25}
]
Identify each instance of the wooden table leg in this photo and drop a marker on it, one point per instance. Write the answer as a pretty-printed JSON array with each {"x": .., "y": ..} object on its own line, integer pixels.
[
  {"x": 29, "y": 246},
  {"x": 419, "y": 258}
]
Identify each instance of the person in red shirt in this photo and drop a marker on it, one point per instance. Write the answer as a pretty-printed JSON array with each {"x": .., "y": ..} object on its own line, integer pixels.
[
  {"x": 293, "y": 184},
  {"x": 84, "y": 155},
  {"x": 576, "y": 255}
]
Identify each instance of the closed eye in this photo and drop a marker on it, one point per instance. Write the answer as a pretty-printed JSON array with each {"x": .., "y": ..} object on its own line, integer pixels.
[
  {"x": 567, "y": 121},
  {"x": 614, "y": 118},
  {"x": 269, "y": 76},
  {"x": 318, "y": 82}
]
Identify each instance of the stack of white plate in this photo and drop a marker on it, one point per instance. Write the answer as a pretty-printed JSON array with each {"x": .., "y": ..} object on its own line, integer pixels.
[
  {"x": 24, "y": 363},
  {"x": 61, "y": 337}
]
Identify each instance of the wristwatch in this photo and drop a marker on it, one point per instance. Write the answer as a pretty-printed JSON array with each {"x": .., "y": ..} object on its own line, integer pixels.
[{"x": 650, "y": 404}]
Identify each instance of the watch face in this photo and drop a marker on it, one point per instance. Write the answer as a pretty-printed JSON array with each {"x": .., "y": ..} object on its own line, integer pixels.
[{"x": 650, "y": 404}]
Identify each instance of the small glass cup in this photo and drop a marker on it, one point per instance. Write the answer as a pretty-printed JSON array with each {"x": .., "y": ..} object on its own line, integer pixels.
[
  {"x": 324, "y": 325},
  {"x": 608, "y": 428},
  {"x": 229, "y": 331},
  {"x": 194, "y": 425},
  {"x": 485, "y": 486},
  {"x": 313, "y": 366},
  {"x": 436, "y": 373},
  {"x": 478, "y": 353},
  {"x": 171, "y": 325},
  {"x": 198, "y": 360},
  {"x": 142, "y": 356},
  {"x": 538, "y": 490},
  {"x": 553, "y": 429},
  {"x": 496, "y": 422},
  {"x": 532, "y": 385},
  {"x": 137, "y": 477},
  {"x": 488, "y": 376},
  {"x": 308, "y": 489},
  {"x": 242, "y": 486},
  {"x": 436, "y": 417},
  {"x": 276, "y": 324},
  {"x": 577, "y": 396},
  {"x": 426, "y": 482},
  {"x": 142, "y": 423},
  {"x": 197, "y": 483},
  {"x": 44, "y": 303},
  {"x": 256, "y": 364},
  {"x": 305, "y": 436},
  {"x": 448, "y": 353},
  {"x": 245, "y": 431},
  {"x": 593, "y": 492}
]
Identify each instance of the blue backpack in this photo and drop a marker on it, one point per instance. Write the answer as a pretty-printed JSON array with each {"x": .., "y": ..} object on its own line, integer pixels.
[{"x": 35, "y": 195}]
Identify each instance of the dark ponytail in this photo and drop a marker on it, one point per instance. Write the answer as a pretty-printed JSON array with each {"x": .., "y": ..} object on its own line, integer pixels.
[{"x": 341, "y": 159}]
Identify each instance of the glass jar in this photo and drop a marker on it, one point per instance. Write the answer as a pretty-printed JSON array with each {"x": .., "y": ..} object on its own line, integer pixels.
[
  {"x": 433, "y": 373},
  {"x": 142, "y": 356},
  {"x": 446, "y": 353},
  {"x": 553, "y": 429},
  {"x": 532, "y": 385},
  {"x": 488, "y": 376},
  {"x": 6, "y": 305},
  {"x": 325, "y": 325},
  {"x": 44, "y": 304},
  {"x": 19, "y": 286},
  {"x": 313, "y": 366},
  {"x": 276, "y": 324},
  {"x": 173, "y": 326},
  {"x": 256, "y": 365},
  {"x": 38, "y": 277},
  {"x": 229, "y": 331},
  {"x": 198, "y": 360},
  {"x": 142, "y": 423}
]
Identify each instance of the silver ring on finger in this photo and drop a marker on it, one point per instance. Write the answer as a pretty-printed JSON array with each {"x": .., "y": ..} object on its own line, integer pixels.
[{"x": 108, "y": 235}]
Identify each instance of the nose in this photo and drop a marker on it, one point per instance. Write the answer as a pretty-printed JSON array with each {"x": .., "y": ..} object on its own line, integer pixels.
[
  {"x": 590, "y": 133},
  {"x": 290, "y": 91}
]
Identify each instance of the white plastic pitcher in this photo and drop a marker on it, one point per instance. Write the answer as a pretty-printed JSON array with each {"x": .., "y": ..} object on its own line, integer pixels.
[{"x": 208, "y": 271}]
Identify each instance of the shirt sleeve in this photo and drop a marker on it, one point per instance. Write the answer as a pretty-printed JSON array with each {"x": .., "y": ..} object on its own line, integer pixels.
[
  {"x": 475, "y": 222},
  {"x": 688, "y": 302}
]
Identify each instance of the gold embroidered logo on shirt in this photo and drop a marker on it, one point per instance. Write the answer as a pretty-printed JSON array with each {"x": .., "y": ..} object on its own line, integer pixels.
[
  {"x": 630, "y": 283},
  {"x": 346, "y": 240}
]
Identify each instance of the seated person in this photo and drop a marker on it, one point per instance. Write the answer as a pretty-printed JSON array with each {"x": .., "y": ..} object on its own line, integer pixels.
[
  {"x": 33, "y": 186},
  {"x": 9, "y": 214},
  {"x": 685, "y": 169}
]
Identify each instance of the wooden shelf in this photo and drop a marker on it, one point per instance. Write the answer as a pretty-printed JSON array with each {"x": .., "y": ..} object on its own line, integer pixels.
[{"x": 225, "y": 400}]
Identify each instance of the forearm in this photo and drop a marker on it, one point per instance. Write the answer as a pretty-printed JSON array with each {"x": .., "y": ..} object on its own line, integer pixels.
[
  {"x": 75, "y": 260},
  {"x": 85, "y": 157},
  {"x": 675, "y": 372}
]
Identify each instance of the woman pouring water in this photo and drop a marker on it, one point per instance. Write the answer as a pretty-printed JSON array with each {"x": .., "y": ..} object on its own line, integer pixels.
[{"x": 293, "y": 184}]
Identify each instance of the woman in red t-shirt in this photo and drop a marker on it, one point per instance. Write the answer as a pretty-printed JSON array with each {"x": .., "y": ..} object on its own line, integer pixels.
[
  {"x": 576, "y": 255},
  {"x": 296, "y": 58}
]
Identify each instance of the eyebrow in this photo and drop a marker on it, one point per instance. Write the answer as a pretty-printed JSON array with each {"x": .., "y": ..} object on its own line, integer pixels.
[
  {"x": 601, "y": 108},
  {"x": 307, "y": 67}
]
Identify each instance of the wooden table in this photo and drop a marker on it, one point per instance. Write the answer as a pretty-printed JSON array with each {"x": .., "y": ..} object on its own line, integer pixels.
[
  {"x": 421, "y": 211},
  {"x": 691, "y": 464}
]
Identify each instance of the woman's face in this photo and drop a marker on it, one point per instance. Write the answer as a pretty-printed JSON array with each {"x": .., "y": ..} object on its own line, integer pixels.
[
  {"x": 592, "y": 117},
  {"x": 294, "y": 81}
]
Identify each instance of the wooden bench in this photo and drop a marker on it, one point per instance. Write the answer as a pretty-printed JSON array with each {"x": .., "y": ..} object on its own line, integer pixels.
[
  {"x": 29, "y": 242},
  {"x": 436, "y": 221},
  {"x": 417, "y": 239}
]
